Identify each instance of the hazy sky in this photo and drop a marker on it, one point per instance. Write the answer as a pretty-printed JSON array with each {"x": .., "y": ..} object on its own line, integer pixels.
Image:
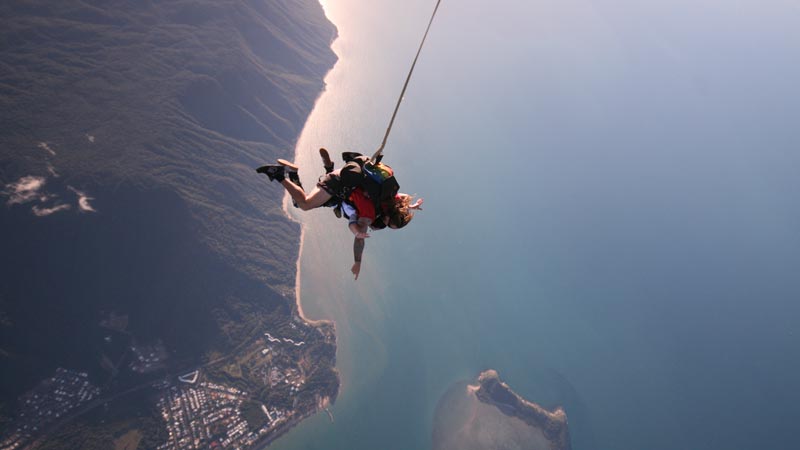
[{"x": 611, "y": 193}]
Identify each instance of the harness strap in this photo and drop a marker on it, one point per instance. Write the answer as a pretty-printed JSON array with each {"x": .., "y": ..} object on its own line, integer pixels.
[{"x": 405, "y": 85}]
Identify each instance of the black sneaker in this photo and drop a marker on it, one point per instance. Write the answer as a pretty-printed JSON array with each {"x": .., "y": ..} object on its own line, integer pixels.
[
  {"x": 294, "y": 178},
  {"x": 290, "y": 169},
  {"x": 272, "y": 171},
  {"x": 326, "y": 160},
  {"x": 349, "y": 156}
]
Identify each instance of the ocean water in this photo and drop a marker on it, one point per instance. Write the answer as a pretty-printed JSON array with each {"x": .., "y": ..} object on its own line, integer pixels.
[{"x": 611, "y": 219}]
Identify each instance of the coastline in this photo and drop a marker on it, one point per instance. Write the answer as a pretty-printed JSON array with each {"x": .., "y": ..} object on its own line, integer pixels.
[
  {"x": 289, "y": 424},
  {"x": 287, "y": 199},
  {"x": 298, "y": 304},
  {"x": 326, "y": 326}
]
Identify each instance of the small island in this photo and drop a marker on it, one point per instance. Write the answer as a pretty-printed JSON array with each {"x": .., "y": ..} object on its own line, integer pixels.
[
  {"x": 491, "y": 415},
  {"x": 493, "y": 391}
]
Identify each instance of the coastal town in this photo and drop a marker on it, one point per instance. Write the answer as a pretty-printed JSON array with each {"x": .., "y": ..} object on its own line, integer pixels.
[
  {"x": 200, "y": 413},
  {"x": 209, "y": 414},
  {"x": 50, "y": 400},
  {"x": 208, "y": 407}
]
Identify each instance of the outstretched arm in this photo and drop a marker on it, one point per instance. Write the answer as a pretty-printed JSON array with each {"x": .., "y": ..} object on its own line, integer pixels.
[
  {"x": 358, "y": 249},
  {"x": 359, "y": 229}
]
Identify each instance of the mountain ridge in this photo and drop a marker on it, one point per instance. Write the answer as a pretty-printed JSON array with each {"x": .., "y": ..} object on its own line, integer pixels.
[{"x": 129, "y": 133}]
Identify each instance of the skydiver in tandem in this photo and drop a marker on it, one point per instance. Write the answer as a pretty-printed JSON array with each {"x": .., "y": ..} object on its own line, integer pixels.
[{"x": 365, "y": 191}]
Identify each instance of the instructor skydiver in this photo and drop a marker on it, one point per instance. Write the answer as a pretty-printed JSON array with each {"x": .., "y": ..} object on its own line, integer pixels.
[{"x": 349, "y": 187}]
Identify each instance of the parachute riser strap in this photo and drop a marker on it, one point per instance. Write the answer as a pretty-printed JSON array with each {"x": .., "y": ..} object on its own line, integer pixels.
[{"x": 405, "y": 85}]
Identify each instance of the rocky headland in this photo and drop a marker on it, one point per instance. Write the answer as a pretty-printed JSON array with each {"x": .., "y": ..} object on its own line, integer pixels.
[
  {"x": 490, "y": 415},
  {"x": 493, "y": 391}
]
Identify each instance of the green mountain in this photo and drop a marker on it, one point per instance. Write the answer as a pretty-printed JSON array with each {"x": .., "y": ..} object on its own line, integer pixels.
[{"x": 132, "y": 215}]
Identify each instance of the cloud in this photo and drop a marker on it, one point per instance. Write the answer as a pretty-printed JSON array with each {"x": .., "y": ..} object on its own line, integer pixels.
[
  {"x": 41, "y": 212},
  {"x": 26, "y": 189},
  {"x": 44, "y": 146},
  {"x": 83, "y": 200}
]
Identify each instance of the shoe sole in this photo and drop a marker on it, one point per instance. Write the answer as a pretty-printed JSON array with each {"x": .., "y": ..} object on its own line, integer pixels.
[
  {"x": 288, "y": 164},
  {"x": 326, "y": 157}
]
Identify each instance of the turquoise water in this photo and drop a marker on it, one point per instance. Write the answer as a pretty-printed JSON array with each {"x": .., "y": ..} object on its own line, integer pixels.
[{"x": 611, "y": 219}]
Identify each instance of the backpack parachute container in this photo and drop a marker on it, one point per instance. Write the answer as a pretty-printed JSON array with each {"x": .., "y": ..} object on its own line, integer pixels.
[{"x": 382, "y": 175}]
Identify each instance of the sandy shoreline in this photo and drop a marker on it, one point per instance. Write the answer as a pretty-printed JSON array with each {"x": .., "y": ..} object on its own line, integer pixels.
[
  {"x": 298, "y": 267},
  {"x": 287, "y": 201}
]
